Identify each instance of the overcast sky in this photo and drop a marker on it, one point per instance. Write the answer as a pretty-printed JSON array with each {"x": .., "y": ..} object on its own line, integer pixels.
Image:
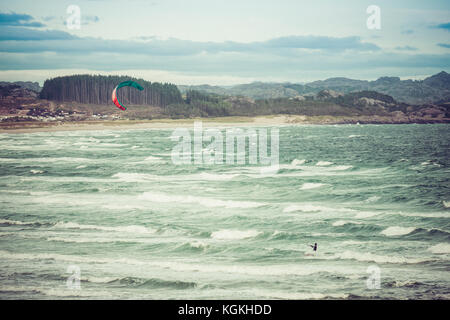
[{"x": 224, "y": 42}]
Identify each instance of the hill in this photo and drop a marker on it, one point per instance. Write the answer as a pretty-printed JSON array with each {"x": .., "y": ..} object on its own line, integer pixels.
[
  {"x": 34, "y": 86},
  {"x": 430, "y": 90}
]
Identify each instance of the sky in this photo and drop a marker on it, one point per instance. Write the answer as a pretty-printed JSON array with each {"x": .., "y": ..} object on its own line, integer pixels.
[{"x": 224, "y": 42}]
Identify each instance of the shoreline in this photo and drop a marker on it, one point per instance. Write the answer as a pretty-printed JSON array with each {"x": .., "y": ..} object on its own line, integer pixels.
[{"x": 271, "y": 120}]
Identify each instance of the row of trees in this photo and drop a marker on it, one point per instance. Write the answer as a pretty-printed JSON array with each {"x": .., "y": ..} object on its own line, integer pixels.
[{"x": 97, "y": 90}]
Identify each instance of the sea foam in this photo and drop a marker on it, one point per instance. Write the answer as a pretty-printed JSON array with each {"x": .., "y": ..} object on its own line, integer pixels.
[
  {"x": 397, "y": 231},
  {"x": 130, "y": 229},
  {"x": 307, "y": 186},
  {"x": 206, "y": 202},
  {"x": 234, "y": 234},
  {"x": 440, "y": 248}
]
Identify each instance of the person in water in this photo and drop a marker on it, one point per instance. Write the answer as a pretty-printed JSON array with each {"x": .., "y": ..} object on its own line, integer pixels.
[{"x": 314, "y": 246}]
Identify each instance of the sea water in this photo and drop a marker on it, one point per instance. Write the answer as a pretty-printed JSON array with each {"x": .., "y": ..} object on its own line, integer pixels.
[{"x": 107, "y": 214}]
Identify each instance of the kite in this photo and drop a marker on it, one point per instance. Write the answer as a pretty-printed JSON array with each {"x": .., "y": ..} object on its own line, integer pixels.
[{"x": 115, "y": 99}]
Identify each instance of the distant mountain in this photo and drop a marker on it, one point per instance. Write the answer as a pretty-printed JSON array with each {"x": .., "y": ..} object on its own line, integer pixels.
[
  {"x": 255, "y": 90},
  {"x": 432, "y": 89},
  {"x": 34, "y": 86}
]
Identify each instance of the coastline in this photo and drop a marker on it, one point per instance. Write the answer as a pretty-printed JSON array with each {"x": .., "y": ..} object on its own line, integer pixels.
[{"x": 271, "y": 120}]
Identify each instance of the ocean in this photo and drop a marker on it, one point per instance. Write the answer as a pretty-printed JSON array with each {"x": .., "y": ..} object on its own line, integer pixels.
[{"x": 107, "y": 215}]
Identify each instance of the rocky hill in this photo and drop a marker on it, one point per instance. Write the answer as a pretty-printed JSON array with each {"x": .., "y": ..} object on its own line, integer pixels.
[
  {"x": 34, "y": 86},
  {"x": 430, "y": 90}
]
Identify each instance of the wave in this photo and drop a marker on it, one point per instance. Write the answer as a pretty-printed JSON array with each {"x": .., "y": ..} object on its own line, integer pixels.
[
  {"x": 265, "y": 270},
  {"x": 440, "y": 248},
  {"x": 369, "y": 257},
  {"x": 313, "y": 208},
  {"x": 403, "y": 283},
  {"x": 372, "y": 199},
  {"x": 207, "y": 202},
  {"x": 297, "y": 162},
  {"x": 129, "y": 229},
  {"x": 36, "y": 171},
  {"x": 297, "y": 295},
  {"x": 419, "y": 214},
  {"x": 154, "y": 159},
  {"x": 193, "y": 245},
  {"x": 22, "y": 223},
  {"x": 234, "y": 234},
  {"x": 75, "y": 293},
  {"x": 100, "y": 240},
  {"x": 342, "y": 168},
  {"x": 303, "y": 208},
  {"x": 341, "y": 223},
  {"x": 446, "y": 204},
  {"x": 307, "y": 186},
  {"x": 397, "y": 231},
  {"x": 135, "y": 177},
  {"x": 324, "y": 163},
  {"x": 152, "y": 283},
  {"x": 434, "y": 233},
  {"x": 54, "y": 159},
  {"x": 143, "y": 177},
  {"x": 216, "y": 177}
]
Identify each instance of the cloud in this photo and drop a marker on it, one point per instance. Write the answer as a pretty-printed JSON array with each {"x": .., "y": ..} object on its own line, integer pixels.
[
  {"x": 444, "y": 26},
  {"x": 444, "y": 45},
  {"x": 89, "y": 19},
  {"x": 289, "y": 57},
  {"x": 284, "y": 46},
  {"x": 25, "y": 34},
  {"x": 406, "y": 48},
  {"x": 409, "y": 31},
  {"x": 15, "y": 19},
  {"x": 320, "y": 42}
]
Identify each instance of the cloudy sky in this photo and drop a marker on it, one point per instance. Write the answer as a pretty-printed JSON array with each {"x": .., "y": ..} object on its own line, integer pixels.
[{"x": 224, "y": 42}]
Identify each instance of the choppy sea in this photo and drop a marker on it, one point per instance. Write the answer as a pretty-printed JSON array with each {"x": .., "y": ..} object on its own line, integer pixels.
[{"x": 108, "y": 215}]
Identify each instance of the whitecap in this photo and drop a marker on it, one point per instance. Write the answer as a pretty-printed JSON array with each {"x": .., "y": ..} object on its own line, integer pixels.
[
  {"x": 307, "y": 186},
  {"x": 372, "y": 199},
  {"x": 313, "y": 208},
  {"x": 13, "y": 222},
  {"x": 323, "y": 163},
  {"x": 341, "y": 223},
  {"x": 130, "y": 229},
  {"x": 370, "y": 257},
  {"x": 297, "y": 162},
  {"x": 342, "y": 168},
  {"x": 440, "y": 248},
  {"x": 207, "y": 202},
  {"x": 234, "y": 234},
  {"x": 397, "y": 231}
]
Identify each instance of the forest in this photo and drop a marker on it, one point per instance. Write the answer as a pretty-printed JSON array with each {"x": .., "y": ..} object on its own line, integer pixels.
[{"x": 97, "y": 89}]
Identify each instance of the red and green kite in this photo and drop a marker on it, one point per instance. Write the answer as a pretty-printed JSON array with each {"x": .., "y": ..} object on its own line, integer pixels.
[{"x": 115, "y": 99}]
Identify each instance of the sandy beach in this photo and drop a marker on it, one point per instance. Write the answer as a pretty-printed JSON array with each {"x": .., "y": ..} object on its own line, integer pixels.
[
  {"x": 30, "y": 127},
  {"x": 273, "y": 120}
]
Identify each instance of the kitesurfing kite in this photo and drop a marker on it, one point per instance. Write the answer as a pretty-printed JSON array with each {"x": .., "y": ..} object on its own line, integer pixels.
[{"x": 115, "y": 99}]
